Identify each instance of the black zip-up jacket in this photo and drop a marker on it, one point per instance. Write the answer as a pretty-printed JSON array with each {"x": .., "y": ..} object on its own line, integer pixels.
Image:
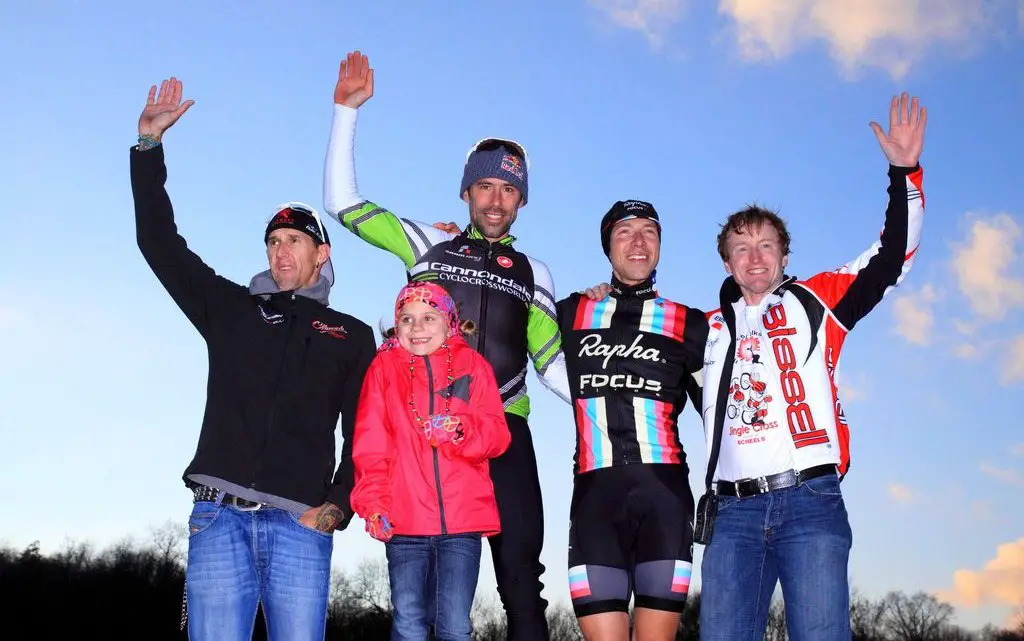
[{"x": 282, "y": 368}]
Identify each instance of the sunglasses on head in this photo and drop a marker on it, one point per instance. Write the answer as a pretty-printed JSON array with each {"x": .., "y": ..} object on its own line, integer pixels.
[
  {"x": 301, "y": 208},
  {"x": 490, "y": 144}
]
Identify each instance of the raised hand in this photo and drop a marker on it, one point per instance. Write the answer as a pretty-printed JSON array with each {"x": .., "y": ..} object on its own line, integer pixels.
[
  {"x": 163, "y": 110},
  {"x": 355, "y": 81},
  {"x": 902, "y": 144}
]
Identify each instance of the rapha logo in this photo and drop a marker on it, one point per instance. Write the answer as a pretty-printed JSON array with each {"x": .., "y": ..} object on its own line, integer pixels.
[
  {"x": 591, "y": 345},
  {"x": 335, "y": 331}
]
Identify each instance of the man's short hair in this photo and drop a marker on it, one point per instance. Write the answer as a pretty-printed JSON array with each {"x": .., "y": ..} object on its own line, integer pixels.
[{"x": 752, "y": 217}]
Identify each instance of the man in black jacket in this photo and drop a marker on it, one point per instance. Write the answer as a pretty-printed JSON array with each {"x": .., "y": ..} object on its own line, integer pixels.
[{"x": 282, "y": 368}]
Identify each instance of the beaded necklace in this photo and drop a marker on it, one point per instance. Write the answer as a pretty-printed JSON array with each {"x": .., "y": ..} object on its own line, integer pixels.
[{"x": 445, "y": 420}]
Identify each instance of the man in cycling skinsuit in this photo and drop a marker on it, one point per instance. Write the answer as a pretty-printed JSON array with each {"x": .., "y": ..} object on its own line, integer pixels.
[
  {"x": 631, "y": 358},
  {"x": 508, "y": 294}
]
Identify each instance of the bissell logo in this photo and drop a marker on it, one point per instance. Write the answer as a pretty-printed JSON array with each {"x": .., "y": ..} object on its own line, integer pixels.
[
  {"x": 798, "y": 413},
  {"x": 505, "y": 261},
  {"x": 335, "y": 331}
]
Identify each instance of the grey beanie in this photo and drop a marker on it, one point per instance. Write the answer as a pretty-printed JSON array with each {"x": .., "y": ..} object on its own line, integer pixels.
[{"x": 499, "y": 162}]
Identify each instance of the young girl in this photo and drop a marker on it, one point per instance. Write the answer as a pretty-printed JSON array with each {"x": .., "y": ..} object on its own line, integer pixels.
[{"x": 430, "y": 416}]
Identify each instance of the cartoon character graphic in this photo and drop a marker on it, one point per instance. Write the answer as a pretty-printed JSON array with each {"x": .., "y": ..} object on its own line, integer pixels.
[{"x": 748, "y": 397}]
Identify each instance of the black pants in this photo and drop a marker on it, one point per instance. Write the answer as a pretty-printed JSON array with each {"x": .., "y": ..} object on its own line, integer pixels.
[{"x": 516, "y": 551}]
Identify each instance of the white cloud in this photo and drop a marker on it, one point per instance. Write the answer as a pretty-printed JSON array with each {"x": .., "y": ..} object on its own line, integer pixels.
[
  {"x": 1017, "y": 449},
  {"x": 850, "y": 390},
  {"x": 1000, "y": 581},
  {"x": 1010, "y": 477},
  {"x": 652, "y": 18},
  {"x": 853, "y": 392},
  {"x": 965, "y": 351},
  {"x": 964, "y": 327},
  {"x": 867, "y": 33},
  {"x": 983, "y": 263},
  {"x": 1013, "y": 365},
  {"x": 900, "y": 493},
  {"x": 914, "y": 318}
]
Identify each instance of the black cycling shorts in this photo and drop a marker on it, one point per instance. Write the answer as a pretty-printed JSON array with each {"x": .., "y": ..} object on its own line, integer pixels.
[{"x": 630, "y": 532}]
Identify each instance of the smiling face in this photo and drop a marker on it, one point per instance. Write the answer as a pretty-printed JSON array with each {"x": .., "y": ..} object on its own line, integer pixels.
[
  {"x": 294, "y": 258},
  {"x": 634, "y": 250},
  {"x": 756, "y": 260},
  {"x": 493, "y": 207},
  {"x": 420, "y": 328}
]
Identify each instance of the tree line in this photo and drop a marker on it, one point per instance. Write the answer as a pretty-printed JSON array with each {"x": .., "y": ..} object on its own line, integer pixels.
[{"x": 133, "y": 590}]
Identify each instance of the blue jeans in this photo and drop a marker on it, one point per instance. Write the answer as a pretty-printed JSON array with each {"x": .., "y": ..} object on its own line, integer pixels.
[
  {"x": 238, "y": 559},
  {"x": 433, "y": 581},
  {"x": 799, "y": 537}
]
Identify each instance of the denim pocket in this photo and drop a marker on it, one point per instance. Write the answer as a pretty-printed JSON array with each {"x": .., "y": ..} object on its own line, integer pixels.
[
  {"x": 725, "y": 502},
  {"x": 300, "y": 524},
  {"x": 203, "y": 515},
  {"x": 826, "y": 485}
]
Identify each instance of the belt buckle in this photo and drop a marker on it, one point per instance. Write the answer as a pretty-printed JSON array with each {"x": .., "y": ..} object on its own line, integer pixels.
[
  {"x": 247, "y": 508},
  {"x": 762, "y": 487}
]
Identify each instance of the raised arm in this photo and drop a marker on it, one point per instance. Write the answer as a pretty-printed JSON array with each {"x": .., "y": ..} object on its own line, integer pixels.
[
  {"x": 195, "y": 288},
  {"x": 854, "y": 289},
  {"x": 407, "y": 239}
]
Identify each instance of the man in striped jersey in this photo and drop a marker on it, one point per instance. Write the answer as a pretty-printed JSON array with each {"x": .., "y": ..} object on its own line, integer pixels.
[{"x": 631, "y": 357}]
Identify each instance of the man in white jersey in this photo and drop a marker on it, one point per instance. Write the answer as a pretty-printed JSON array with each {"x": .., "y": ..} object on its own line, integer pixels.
[{"x": 777, "y": 437}]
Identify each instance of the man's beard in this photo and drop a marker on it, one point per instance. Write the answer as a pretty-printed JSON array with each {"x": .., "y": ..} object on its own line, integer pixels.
[{"x": 494, "y": 229}]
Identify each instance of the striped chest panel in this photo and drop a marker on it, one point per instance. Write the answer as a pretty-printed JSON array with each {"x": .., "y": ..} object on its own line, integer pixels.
[
  {"x": 625, "y": 364},
  {"x": 658, "y": 316}
]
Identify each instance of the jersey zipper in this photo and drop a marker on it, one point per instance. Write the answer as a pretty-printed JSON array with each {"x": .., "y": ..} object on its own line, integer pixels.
[
  {"x": 483, "y": 306},
  {"x": 437, "y": 464}
]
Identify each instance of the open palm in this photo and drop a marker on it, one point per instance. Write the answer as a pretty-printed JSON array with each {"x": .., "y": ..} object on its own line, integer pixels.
[
  {"x": 903, "y": 143},
  {"x": 163, "y": 110},
  {"x": 355, "y": 81}
]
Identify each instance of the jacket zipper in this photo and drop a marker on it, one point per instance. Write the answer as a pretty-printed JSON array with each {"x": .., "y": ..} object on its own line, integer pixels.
[
  {"x": 273, "y": 397},
  {"x": 437, "y": 464},
  {"x": 483, "y": 305}
]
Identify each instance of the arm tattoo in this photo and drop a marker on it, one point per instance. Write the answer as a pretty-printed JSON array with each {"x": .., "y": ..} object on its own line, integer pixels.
[{"x": 328, "y": 518}]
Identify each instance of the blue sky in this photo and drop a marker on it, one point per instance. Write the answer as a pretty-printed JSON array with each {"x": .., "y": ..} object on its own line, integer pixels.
[{"x": 699, "y": 108}]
